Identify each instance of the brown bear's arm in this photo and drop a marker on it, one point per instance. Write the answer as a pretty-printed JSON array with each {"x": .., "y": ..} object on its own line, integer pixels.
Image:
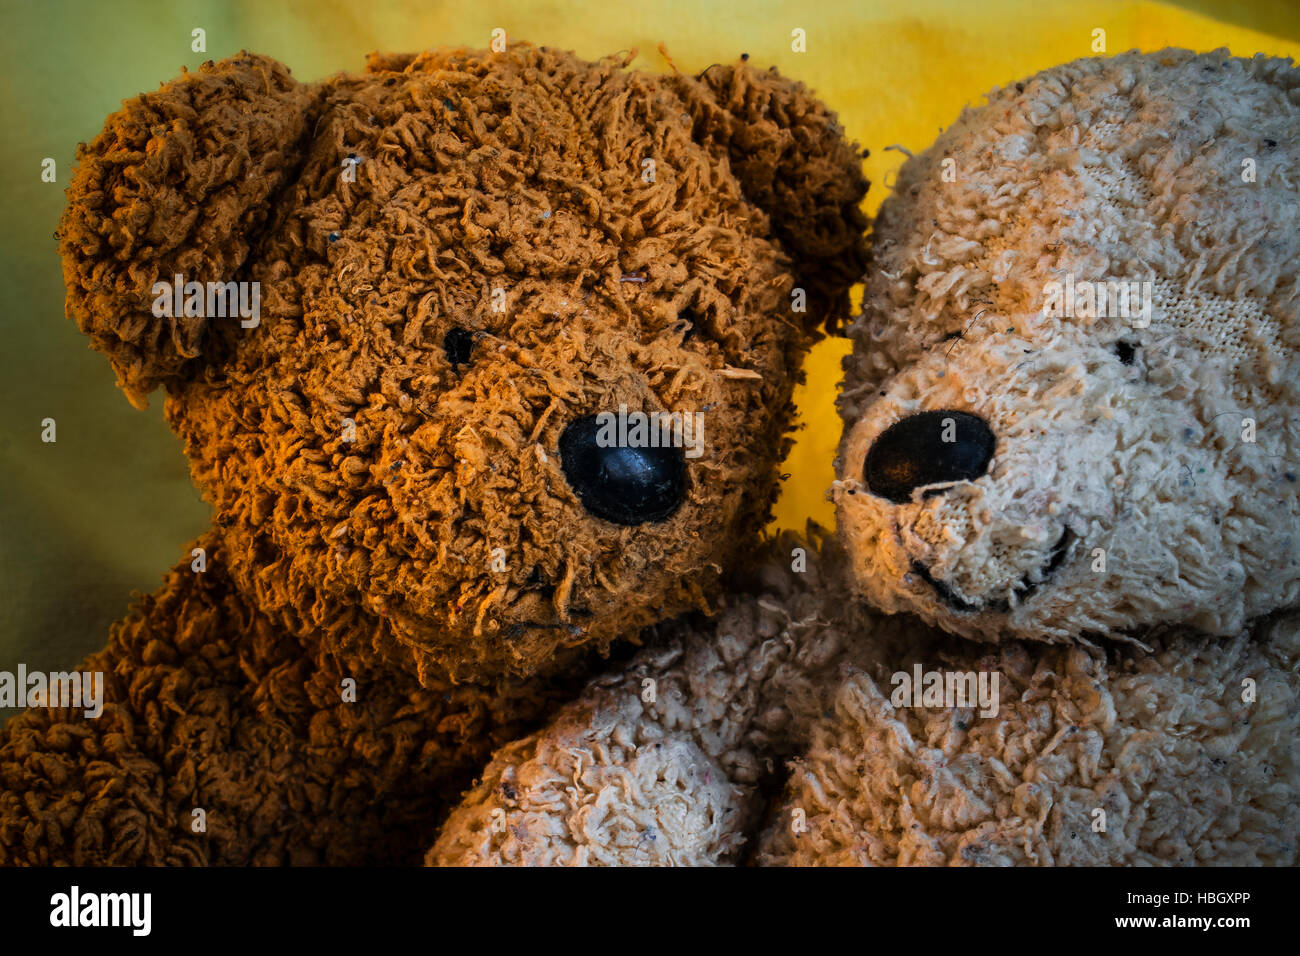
[{"x": 210, "y": 705}]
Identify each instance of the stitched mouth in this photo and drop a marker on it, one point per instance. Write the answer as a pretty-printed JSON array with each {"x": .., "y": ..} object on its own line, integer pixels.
[{"x": 1023, "y": 588}]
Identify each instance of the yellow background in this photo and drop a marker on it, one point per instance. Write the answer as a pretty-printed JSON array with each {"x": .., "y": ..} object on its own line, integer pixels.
[{"x": 108, "y": 508}]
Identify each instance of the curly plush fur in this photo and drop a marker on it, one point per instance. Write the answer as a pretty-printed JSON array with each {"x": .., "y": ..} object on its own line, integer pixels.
[
  {"x": 1162, "y": 726},
  {"x": 383, "y": 511}
]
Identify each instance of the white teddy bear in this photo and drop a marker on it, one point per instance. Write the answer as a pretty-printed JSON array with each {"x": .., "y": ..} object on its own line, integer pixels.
[{"x": 1071, "y": 429}]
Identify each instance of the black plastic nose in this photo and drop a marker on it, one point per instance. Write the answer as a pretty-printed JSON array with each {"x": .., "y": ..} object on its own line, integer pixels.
[
  {"x": 458, "y": 343},
  {"x": 623, "y": 484},
  {"x": 925, "y": 449}
]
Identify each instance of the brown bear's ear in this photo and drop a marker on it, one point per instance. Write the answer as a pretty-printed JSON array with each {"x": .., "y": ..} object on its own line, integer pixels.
[
  {"x": 179, "y": 182},
  {"x": 792, "y": 160}
]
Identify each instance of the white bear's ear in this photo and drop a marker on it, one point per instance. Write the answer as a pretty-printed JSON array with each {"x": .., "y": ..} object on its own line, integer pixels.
[
  {"x": 793, "y": 162},
  {"x": 179, "y": 182}
]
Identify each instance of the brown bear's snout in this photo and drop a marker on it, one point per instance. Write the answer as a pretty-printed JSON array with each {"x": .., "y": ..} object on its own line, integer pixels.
[
  {"x": 928, "y": 448},
  {"x": 622, "y": 483}
]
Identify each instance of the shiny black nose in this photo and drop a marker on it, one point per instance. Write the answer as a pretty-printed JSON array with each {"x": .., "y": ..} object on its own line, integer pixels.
[
  {"x": 926, "y": 449},
  {"x": 623, "y": 484}
]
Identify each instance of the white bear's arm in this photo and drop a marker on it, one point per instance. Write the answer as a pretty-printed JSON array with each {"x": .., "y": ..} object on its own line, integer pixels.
[
  {"x": 1188, "y": 754},
  {"x": 615, "y": 779},
  {"x": 660, "y": 763}
]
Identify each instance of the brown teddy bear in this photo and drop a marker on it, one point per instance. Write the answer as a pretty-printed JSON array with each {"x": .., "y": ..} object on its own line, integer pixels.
[{"x": 391, "y": 312}]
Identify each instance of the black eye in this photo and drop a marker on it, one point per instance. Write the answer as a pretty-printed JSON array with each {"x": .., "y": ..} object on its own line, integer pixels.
[
  {"x": 458, "y": 343},
  {"x": 623, "y": 484},
  {"x": 1125, "y": 351}
]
